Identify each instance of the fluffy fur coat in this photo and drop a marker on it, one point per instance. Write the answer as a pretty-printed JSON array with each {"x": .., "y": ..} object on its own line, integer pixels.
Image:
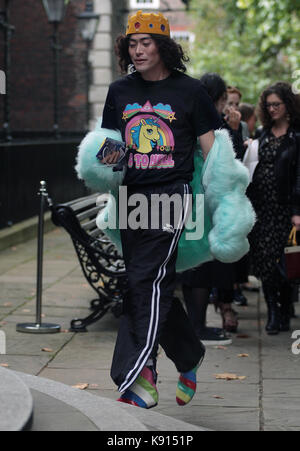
[{"x": 228, "y": 214}]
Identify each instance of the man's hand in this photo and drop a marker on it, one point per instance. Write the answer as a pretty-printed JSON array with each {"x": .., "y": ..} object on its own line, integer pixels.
[
  {"x": 233, "y": 118},
  {"x": 296, "y": 222},
  {"x": 206, "y": 142}
]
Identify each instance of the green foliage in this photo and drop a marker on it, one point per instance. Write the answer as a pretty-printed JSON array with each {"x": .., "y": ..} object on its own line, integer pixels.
[{"x": 250, "y": 43}]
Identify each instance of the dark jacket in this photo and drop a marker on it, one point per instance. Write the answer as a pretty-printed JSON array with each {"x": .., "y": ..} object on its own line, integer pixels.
[
  {"x": 237, "y": 138},
  {"x": 287, "y": 169}
]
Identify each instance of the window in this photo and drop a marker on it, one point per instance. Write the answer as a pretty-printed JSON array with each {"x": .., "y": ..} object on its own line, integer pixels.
[
  {"x": 183, "y": 36},
  {"x": 144, "y": 4}
]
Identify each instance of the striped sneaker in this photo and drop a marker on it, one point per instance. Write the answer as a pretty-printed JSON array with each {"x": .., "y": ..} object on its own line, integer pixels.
[
  {"x": 143, "y": 392},
  {"x": 187, "y": 384}
]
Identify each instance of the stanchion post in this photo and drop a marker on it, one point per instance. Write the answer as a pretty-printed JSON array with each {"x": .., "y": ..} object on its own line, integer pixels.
[
  {"x": 40, "y": 252},
  {"x": 38, "y": 327}
]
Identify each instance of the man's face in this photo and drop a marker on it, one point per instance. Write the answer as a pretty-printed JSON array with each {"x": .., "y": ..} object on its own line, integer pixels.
[
  {"x": 144, "y": 53},
  {"x": 233, "y": 100}
]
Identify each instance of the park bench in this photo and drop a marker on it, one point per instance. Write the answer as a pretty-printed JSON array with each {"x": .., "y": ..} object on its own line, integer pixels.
[{"x": 99, "y": 259}]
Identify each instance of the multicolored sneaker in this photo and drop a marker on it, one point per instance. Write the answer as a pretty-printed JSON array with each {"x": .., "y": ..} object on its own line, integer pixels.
[
  {"x": 187, "y": 384},
  {"x": 143, "y": 392}
]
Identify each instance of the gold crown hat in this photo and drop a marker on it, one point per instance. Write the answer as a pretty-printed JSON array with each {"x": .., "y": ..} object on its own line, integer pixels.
[{"x": 148, "y": 23}]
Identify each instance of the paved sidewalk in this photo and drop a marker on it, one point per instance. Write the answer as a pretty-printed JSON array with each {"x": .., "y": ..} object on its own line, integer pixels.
[{"x": 267, "y": 397}]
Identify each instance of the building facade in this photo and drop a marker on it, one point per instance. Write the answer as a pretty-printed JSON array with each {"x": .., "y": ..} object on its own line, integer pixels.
[
  {"x": 31, "y": 70},
  {"x": 31, "y": 53},
  {"x": 35, "y": 152}
]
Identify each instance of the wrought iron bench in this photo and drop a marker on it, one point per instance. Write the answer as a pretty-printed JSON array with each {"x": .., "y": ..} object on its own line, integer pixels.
[{"x": 100, "y": 262}]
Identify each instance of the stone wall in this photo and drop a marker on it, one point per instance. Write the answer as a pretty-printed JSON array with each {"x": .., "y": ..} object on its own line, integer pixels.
[{"x": 112, "y": 22}]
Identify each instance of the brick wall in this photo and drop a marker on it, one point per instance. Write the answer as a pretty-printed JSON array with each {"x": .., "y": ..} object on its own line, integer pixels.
[
  {"x": 32, "y": 68},
  {"x": 32, "y": 65}
]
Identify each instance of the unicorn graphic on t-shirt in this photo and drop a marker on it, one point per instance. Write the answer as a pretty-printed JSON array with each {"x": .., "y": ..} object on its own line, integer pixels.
[{"x": 146, "y": 135}]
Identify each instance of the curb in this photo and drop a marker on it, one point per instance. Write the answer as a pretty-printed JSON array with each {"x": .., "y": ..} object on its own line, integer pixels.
[
  {"x": 107, "y": 415},
  {"x": 16, "y": 404}
]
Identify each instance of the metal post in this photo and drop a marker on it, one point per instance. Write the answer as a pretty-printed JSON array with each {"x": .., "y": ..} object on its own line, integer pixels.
[
  {"x": 38, "y": 327},
  {"x": 39, "y": 283},
  {"x": 56, "y": 49}
]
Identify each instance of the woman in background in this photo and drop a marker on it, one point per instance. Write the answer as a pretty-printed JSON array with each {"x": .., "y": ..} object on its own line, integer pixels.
[{"x": 275, "y": 195}]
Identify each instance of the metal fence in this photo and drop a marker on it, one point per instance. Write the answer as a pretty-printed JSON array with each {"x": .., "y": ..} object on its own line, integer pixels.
[{"x": 24, "y": 164}]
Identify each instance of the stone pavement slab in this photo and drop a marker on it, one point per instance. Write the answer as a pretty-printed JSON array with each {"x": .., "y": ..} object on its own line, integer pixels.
[{"x": 267, "y": 399}]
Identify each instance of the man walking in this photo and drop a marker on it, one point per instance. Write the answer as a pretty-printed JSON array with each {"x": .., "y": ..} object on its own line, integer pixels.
[{"x": 161, "y": 112}]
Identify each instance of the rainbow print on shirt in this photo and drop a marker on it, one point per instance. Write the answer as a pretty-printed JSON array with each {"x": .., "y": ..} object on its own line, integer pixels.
[{"x": 149, "y": 139}]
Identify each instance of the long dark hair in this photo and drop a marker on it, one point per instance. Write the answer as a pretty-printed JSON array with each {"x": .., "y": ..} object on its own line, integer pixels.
[
  {"x": 170, "y": 52},
  {"x": 292, "y": 102}
]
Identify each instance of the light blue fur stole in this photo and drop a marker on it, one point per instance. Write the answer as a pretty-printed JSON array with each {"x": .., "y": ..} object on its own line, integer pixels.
[{"x": 228, "y": 214}]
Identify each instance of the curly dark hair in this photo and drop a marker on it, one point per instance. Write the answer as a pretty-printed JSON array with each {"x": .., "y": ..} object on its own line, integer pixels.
[
  {"x": 170, "y": 52},
  {"x": 292, "y": 102}
]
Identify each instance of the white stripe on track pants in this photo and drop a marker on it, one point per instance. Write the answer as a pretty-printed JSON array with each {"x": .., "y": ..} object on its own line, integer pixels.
[{"x": 151, "y": 314}]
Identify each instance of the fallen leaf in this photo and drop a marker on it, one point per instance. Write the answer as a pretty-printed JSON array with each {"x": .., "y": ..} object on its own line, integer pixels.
[
  {"x": 64, "y": 331},
  {"x": 220, "y": 347},
  {"x": 81, "y": 386},
  {"x": 230, "y": 377},
  {"x": 47, "y": 350},
  {"x": 243, "y": 336},
  {"x": 4, "y": 365},
  {"x": 26, "y": 310},
  {"x": 7, "y": 304},
  {"x": 243, "y": 355},
  {"x": 218, "y": 397}
]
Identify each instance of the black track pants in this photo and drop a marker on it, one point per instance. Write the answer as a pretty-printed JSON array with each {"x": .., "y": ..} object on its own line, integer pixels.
[{"x": 151, "y": 314}]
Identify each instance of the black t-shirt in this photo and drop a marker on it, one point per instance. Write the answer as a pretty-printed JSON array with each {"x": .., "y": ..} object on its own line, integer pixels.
[{"x": 160, "y": 122}]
